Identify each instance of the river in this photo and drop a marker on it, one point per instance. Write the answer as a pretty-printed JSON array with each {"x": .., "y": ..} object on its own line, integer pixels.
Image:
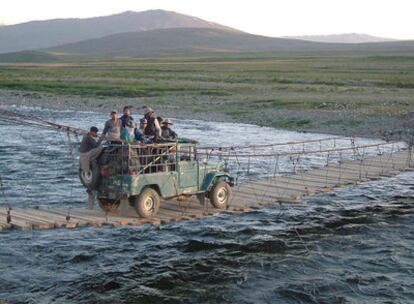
[{"x": 354, "y": 245}]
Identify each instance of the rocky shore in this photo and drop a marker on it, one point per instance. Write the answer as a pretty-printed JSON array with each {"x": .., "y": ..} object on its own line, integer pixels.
[{"x": 341, "y": 121}]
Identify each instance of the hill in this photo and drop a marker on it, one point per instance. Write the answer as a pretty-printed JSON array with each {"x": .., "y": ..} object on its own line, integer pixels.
[
  {"x": 44, "y": 34},
  {"x": 179, "y": 41},
  {"x": 28, "y": 56},
  {"x": 193, "y": 41},
  {"x": 342, "y": 38}
]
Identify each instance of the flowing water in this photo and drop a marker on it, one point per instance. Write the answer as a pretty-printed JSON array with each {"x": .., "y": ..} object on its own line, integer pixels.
[{"x": 355, "y": 245}]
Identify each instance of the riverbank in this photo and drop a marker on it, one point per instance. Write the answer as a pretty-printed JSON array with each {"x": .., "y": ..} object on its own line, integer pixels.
[
  {"x": 327, "y": 122},
  {"x": 370, "y": 96}
]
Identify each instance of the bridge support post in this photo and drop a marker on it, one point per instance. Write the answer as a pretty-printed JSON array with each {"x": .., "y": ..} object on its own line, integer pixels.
[{"x": 91, "y": 200}]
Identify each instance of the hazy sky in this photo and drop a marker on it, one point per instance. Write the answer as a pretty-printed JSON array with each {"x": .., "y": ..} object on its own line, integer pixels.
[{"x": 388, "y": 18}]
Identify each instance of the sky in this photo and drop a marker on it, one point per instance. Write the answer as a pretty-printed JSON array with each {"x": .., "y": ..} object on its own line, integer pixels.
[{"x": 275, "y": 18}]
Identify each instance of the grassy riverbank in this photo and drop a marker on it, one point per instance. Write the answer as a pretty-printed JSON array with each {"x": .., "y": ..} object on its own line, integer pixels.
[{"x": 363, "y": 95}]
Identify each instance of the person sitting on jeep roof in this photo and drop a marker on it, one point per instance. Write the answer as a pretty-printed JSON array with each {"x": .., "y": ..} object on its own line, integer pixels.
[
  {"x": 112, "y": 129},
  {"x": 166, "y": 132},
  {"x": 128, "y": 132},
  {"x": 153, "y": 127},
  {"x": 126, "y": 116},
  {"x": 90, "y": 148}
]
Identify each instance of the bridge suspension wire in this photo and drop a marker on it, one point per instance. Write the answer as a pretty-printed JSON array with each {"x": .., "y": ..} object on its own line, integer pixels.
[
  {"x": 289, "y": 143},
  {"x": 12, "y": 117},
  {"x": 353, "y": 148}
]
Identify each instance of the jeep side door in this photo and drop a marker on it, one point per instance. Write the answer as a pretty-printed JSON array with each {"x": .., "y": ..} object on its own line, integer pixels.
[{"x": 188, "y": 174}]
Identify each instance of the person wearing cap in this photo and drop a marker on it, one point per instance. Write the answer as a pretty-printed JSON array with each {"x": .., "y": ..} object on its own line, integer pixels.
[
  {"x": 128, "y": 132},
  {"x": 112, "y": 129},
  {"x": 126, "y": 117},
  {"x": 153, "y": 128},
  {"x": 90, "y": 148},
  {"x": 166, "y": 132}
]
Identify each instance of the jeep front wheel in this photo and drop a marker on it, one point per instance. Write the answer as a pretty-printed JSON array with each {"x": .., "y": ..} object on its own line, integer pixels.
[
  {"x": 147, "y": 203},
  {"x": 220, "y": 195}
]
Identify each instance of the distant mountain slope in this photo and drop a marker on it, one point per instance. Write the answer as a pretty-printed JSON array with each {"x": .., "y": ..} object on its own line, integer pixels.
[
  {"x": 44, "y": 34},
  {"x": 342, "y": 38},
  {"x": 27, "y": 56},
  {"x": 181, "y": 41},
  {"x": 187, "y": 41}
]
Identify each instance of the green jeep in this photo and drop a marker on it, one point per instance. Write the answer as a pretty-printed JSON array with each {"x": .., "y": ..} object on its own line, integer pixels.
[{"x": 145, "y": 174}]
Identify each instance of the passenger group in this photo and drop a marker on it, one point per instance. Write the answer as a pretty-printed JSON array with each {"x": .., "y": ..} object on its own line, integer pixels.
[{"x": 151, "y": 129}]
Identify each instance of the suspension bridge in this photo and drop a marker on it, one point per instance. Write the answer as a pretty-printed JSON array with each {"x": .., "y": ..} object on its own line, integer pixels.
[{"x": 265, "y": 174}]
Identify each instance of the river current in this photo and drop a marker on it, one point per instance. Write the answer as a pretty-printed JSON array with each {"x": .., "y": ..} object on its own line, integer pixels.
[{"x": 354, "y": 245}]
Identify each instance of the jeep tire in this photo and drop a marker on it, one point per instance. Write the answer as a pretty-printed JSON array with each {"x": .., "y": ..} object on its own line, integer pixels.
[
  {"x": 220, "y": 195},
  {"x": 147, "y": 203},
  {"x": 91, "y": 179}
]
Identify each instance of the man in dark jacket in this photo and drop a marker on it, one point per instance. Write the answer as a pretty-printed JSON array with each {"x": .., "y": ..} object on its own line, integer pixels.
[
  {"x": 126, "y": 117},
  {"x": 153, "y": 127},
  {"x": 90, "y": 148}
]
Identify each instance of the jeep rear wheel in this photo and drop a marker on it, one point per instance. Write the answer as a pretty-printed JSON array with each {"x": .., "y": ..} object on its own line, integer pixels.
[
  {"x": 147, "y": 203},
  {"x": 220, "y": 195}
]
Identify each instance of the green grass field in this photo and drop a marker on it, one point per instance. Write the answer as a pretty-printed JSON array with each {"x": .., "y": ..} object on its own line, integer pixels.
[{"x": 293, "y": 93}]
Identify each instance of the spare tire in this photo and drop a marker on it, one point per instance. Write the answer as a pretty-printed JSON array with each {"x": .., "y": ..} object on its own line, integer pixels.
[{"x": 92, "y": 178}]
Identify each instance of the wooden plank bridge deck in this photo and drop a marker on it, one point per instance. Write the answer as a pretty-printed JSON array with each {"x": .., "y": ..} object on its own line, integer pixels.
[{"x": 250, "y": 195}]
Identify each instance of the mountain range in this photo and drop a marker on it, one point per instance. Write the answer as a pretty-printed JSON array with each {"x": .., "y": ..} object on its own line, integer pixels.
[
  {"x": 162, "y": 33},
  {"x": 48, "y": 33},
  {"x": 201, "y": 41}
]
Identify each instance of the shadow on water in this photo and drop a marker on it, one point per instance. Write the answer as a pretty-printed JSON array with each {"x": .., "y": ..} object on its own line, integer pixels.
[{"x": 354, "y": 245}]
